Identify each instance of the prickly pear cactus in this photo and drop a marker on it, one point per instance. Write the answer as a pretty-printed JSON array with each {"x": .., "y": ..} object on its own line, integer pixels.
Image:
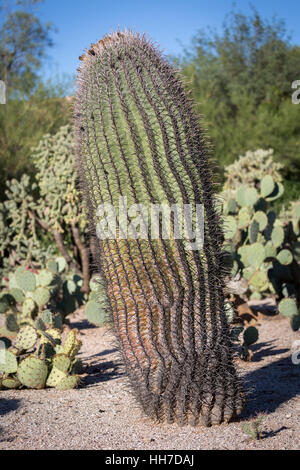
[
  {"x": 97, "y": 308},
  {"x": 41, "y": 298},
  {"x": 138, "y": 137},
  {"x": 263, "y": 247},
  {"x": 38, "y": 359}
]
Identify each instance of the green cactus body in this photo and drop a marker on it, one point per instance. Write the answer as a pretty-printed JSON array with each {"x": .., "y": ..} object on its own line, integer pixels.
[
  {"x": 32, "y": 372},
  {"x": 139, "y": 137}
]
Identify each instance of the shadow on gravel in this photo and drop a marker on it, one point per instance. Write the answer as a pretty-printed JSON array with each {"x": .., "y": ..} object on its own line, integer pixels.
[
  {"x": 271, "y": 386},
  {"x": 99, "y": 373},
  {"x": 267, "y": 434},
  {"x": 7, "y": 405},
  {"x": 104, "y": 353},
  {"x": 261, "y": 350},
  {"x": 82, "y": 325}
]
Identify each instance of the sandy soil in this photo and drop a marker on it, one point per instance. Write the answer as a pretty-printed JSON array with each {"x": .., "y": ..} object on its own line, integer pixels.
[{"x": 104, "y": 415}]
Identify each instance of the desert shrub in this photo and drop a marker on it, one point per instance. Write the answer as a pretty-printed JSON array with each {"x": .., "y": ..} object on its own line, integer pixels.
[{"x": 42, "y": 216}]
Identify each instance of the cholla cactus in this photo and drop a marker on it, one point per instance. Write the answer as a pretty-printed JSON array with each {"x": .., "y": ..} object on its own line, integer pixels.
[
  {"x": 35, "y": 213},
  {"x": 251, "y": 168},
  {"x": 60, "y": 209},
  {"x": 60, "y": 204},
  {"x": 138, "y": 137},
  {"x": 21, "y": 239}
]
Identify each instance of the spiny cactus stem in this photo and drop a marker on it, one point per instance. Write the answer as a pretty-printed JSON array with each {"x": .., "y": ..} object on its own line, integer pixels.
[{"x": 138, "y": 136}]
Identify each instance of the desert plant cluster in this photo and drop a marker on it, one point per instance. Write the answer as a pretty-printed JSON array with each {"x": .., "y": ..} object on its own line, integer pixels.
[{"x": 175, "y": 311}]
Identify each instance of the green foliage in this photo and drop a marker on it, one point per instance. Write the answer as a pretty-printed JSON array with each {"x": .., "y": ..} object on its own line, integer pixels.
[
  {"x": 250, "y": 337},
  {"x": 59, "y": 203},
  {"x": 97, "y": 307},
  {"x": 39, "y": 298},
  {"x": 254, "y": 428},
  {"x": 250, "y": 169},
  {"x": 44, "y": 209},
  {"x": 21, "y": 239},
  {"x": 23, "y": 43},
  {"x": 241, "y": 79},
  {"x": 32, "y": 108},
  {"x": 38, "y": 359},
  {"x": 264, "y": 248},
  {"x": 23, "y": 123}
]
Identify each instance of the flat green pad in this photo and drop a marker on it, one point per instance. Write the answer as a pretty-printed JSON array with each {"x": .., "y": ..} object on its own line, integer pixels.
[
  {"x": 50, "y": 336},
  {"x": 26, "y": 281},
  {"x": 230, "y": 227},
  {"x": 55, "y": 377},
  {"x": 41, "y": 296},
  {"x": 267, "y": 185},
  {"x": 95, "y": 313},
  {"x": 32, "y": 372},
  {"x": 61, "y": 263},
  {"x": 250, "y": 335},
  {"x": 277, "y": 236},
  {"x": 261, "y": 219},
  {"x": 285, "y": 257},
  {"x": 45, "y": 277},
  {"x": 11, "y": 382},
  {"x": 256, "y": 254},
  {"x": 26, "y": 338},
  {"x": 246, "y": 196},
  {"x": 8, "y": 362},
  {"x": 52, "y": 265},
  {"x": 244, "y": 218},
  {"x": 28, "y": 306},
  {"x": 69, "y": 382},
  {"x": 288, "y": 308},
  {"x": 72, "y": 344},
  {"x": 259, "y": 281},
  {"x": 11, "y": 323},
  {"x": 62, "y": 362},
  {"x": 17, "y": 294},
  {"x": 47, "y": 317}
]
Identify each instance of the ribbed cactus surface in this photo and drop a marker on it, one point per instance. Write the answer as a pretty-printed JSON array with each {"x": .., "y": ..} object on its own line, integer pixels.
[{"x": 138, "y": 137}]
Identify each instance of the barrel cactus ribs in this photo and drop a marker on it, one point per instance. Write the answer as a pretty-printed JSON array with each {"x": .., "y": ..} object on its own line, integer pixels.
[{"x": 138, "y": 137}]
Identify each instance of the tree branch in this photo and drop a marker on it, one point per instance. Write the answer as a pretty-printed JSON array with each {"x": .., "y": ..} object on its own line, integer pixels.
[
  {"x": 84, "y": 255},
  {"x": 58, "y": 239}
]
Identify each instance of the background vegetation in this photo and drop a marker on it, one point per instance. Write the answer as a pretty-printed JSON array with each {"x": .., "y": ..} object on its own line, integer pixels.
[{"x": 241, "y": 79}]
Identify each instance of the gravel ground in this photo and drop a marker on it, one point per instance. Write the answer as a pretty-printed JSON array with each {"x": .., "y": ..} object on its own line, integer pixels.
[{"x": 104, "y": 415}]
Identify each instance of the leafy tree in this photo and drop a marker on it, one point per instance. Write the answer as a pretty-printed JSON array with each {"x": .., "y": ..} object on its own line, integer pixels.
[
  {"x": 23, "y": 42},
  {"x": 22, "y": 125},
  {"x": 33, "y": 108},
  {"x": 242, "y": 80}
]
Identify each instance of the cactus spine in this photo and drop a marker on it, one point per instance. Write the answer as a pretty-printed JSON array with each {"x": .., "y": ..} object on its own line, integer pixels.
[{"x": 137, "y": 136}]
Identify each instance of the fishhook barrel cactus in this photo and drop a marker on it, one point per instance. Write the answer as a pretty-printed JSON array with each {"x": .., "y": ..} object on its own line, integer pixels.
[{"x": 138, "y": 137}]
